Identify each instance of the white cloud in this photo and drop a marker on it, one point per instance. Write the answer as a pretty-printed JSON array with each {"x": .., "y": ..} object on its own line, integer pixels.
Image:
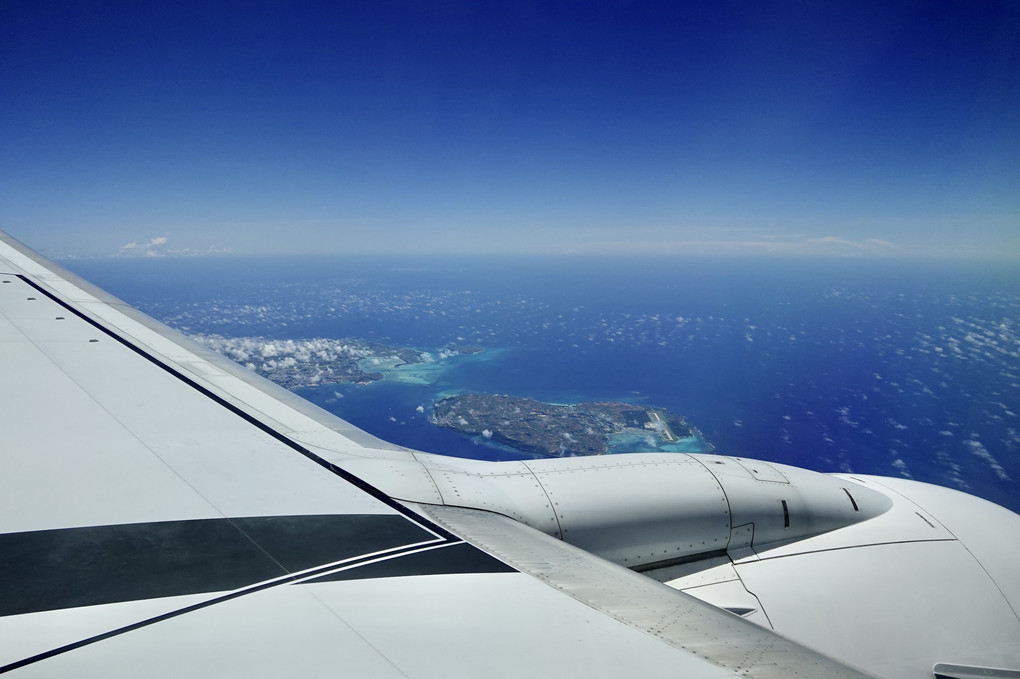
[
  {"x": 877, "y": 242},
  {"x": 157, "y": 247},
  {"x": 765, "y": 245},
  {"x": 829, "y": 239},
  {"x": 979, "y": 451},
  {"x": 154, "y": 247}
]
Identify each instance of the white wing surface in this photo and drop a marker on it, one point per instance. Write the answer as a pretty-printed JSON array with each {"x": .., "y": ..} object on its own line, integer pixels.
[{"x": 165, "y": 513}]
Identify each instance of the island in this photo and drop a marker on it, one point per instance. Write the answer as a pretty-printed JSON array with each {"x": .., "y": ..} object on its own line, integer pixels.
[
  {"x": 295, "y": 363},
  {"x": 522, "y": 424},
  {"x": 463, "y": 349},
  {"x": 590, "y": 428},
  {"x": 312, "y": 362}
]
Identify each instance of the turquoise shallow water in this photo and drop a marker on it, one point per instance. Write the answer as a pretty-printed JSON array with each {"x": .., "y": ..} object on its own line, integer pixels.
[{"x": 643, "y": 443}]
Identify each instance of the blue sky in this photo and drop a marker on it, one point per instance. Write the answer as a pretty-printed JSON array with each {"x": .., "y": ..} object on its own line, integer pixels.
[{"x": 788, "y": 128}]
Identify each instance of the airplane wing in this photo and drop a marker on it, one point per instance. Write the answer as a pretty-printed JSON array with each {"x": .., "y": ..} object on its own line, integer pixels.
[{"x": 165, "y": 513}]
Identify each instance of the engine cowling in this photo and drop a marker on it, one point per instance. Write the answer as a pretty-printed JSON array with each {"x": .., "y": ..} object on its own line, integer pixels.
[{"x": 646, "y": 510}]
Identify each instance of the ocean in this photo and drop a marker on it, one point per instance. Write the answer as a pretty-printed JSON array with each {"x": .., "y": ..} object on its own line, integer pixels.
[{"x": 892, "y": 367}]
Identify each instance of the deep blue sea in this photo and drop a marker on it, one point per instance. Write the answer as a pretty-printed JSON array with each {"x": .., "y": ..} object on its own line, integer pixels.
[{"x": 881, "y": 367}]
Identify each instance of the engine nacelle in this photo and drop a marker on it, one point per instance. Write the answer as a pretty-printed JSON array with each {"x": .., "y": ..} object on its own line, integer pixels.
[
  {"x": 930, "y": 579},
  {"x": 647, "y": 510}
]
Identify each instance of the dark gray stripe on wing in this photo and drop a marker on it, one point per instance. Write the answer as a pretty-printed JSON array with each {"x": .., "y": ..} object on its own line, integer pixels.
[{"x": 65, "y": 568}]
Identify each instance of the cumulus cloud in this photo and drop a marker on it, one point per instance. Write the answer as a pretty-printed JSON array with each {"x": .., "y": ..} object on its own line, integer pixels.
[
  {"x": 979, "y": 451},
  {"x": 157, "y": 246},
  {"x": 901, "y": 466},
  {"x": 154, "y": 247}
]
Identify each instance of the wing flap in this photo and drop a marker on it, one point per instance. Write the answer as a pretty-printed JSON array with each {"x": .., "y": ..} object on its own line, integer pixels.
[{"x": 722, "y": 639}]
